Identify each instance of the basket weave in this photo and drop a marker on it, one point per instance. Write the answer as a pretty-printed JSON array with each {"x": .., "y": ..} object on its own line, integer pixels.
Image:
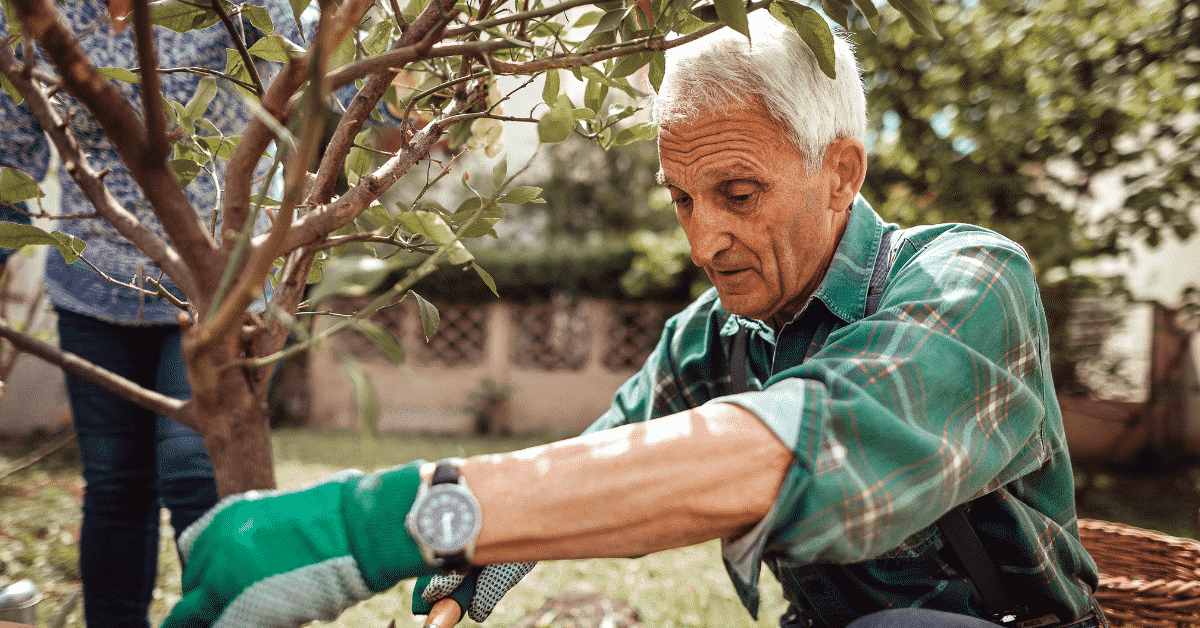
[{"x": 1147, "y": 579}]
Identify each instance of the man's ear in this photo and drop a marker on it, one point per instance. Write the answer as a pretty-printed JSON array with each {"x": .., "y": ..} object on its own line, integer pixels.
[{"x": 846, "y": 157}]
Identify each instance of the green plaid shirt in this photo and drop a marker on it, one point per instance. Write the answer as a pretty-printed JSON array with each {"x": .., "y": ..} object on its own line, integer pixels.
[{"x": 943, "y": 396}]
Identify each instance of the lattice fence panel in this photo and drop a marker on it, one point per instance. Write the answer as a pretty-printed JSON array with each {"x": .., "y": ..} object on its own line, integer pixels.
[
  {"x": 460, "y": 341},
  {"x": 550, "y": 337},
  {"x": 634, "y": 329}
]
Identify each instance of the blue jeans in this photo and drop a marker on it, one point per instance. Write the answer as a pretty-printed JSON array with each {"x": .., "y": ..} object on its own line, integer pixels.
[{"x": 133, "y": 463}]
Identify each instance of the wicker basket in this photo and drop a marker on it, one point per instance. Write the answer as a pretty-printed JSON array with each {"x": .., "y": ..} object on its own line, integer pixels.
[{"x": 1146, "y": 578}]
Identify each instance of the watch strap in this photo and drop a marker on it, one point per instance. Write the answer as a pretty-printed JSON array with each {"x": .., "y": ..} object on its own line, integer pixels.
[{"x": 446, "y": 471}]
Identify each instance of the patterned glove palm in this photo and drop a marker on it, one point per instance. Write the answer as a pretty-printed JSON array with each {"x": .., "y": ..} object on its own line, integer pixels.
[
  {"x": 279, "y": 559},
  {"x": 478, "y": 592}
]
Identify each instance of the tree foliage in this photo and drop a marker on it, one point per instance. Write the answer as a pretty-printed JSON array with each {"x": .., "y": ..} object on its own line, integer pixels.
[
  {"x": 434, "y": 62},
  {"x": 1037, "y": 118}
]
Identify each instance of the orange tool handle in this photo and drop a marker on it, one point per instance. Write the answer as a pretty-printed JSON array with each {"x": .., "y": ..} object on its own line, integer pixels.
[{"x": 445, "y": 614}]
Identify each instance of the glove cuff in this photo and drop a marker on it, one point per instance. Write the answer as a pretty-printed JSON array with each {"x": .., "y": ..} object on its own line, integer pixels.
[{"x": 374, "y": 507}]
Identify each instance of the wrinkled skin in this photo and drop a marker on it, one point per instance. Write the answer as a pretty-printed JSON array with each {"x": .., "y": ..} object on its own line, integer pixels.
[{"x": 763, "y": 230}]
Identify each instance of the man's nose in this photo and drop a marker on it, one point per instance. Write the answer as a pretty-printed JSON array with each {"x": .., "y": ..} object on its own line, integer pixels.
[{"x": 708, "y": 233}]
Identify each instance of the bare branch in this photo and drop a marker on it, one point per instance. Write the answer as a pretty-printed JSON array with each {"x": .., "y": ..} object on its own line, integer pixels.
[
  {"x": 240, "y": 45},
  {"x": 157, "y": 146},
  {"x": 421, "y": 34},
  {"x": 656, "y": 43},
  {"x": 314, "y": 226},
  {"x": 516, "y": 17},
  {"x": 167, "y": 406},
  {"x": 90, "y": 181},
  {"x": 398, "y": 58},
  {"x": 239, "y": 173}
]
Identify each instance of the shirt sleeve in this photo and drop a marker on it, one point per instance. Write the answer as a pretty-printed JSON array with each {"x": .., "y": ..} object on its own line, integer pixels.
[{"x": 935, "y": 399}]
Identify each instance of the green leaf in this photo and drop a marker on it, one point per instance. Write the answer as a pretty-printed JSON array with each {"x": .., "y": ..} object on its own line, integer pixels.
[
  {"x": 658, "y": 67},
  {"x": 358, "y": 163},
  {"x": 235, "y": 68},
  {"x": 837, "y": 11},
  {"x": 557, "y": 123},
  {"x": 487, "y": 279},
  {"x": 119, "y": 74},
  {"x": 636, "y": 133},
  {"x": 630, "y": 63},
  {"x": 259, "y": 18},
  {"x": 15, "y": 236},
  {"x": 812, "y": 28},
  {"x": 435, "y": 229},
  {"x": 382, "y": 339},
  {"x": 610, "y": 21},
  {"x": 206, "y": 90},
  {"x": 350, "y": 276},
  {"x": 521, "y": 195},
  {"x": 867, "y": 8},
  {"x": 732, "y": 13},
  {"x": 275, "y": 48},
  {"x": 430, "y": 319},
  {"x": 16, "y": 186},
  {"x": 919, "y": 16},
  {"x": 14, "y": 24},
  {"x": 483, "y": 225},
  {"x": 182, "y": 16},
  {"x": 550, "y": 87},
  {"x": 185, "y": 170},
  {"x": 298, "y": 7},
  {"x": 366, "y": 397},
  {"x": 499, "y": 172},
  {"x": 11, "y": 90},
  {"x": 588, "y": 19}
]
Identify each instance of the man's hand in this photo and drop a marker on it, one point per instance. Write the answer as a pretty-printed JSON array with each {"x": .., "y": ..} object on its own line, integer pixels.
[
  {"x": 279, "y": 559},
  {"x": 477, "y": 592}
]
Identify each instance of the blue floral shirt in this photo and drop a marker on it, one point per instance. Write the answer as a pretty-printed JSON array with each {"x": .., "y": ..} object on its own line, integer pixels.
[{"x": 76, "y": 287}]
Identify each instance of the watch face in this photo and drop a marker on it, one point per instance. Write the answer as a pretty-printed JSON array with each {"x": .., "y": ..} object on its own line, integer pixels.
[{"x": 447, "y": 519}]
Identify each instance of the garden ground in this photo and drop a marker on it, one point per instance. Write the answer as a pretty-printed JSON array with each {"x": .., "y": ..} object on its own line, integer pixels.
[{"x": 39, "y": 528}]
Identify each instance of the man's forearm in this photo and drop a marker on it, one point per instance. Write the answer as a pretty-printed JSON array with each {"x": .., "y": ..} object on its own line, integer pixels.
[{"x": 707, "y": 473}]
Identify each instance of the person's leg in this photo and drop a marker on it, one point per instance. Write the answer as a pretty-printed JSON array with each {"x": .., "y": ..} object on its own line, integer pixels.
[
  {"x": 918, "y": 618},
  {"x": 118, "y": 545},
  {"x": 185, "y": 473}
]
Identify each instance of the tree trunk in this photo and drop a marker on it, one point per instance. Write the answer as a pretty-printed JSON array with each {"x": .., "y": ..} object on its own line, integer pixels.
[{"x": 231, "y": 414}]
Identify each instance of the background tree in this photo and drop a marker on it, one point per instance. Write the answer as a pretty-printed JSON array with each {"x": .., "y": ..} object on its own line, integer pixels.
[
  {"x": 1036, "y": 119},
  {"x": 450, "y": 54}
]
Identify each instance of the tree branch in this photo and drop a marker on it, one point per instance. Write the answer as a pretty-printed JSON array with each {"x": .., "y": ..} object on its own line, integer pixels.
[
  {"x": 656, "y": 43},
  {"x": 419, "y": 35},
  {"x": 315, "y": 225},
  {"x": 239, "y": 173},
  {"x": 400, "y": 57},
  {"x": 240, "y": 45},
  {"x": 167, "y": 406},
  {"x": 158, "y": 147}
]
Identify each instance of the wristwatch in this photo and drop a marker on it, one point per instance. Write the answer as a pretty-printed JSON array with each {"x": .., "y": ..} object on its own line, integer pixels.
[{"x": 445, "y": 517}]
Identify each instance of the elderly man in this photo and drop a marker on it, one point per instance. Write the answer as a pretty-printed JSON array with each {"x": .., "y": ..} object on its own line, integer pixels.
[{"x": 866, "y": 410}]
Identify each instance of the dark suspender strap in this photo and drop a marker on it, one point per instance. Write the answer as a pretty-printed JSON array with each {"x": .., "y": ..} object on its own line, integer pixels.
[
  {"x": 879, "y": 276},
  {"x": 737, "y": 362},
  {"x": 980, "y": 568}
]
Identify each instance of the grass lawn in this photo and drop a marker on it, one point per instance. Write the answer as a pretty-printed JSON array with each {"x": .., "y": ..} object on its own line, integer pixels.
[{"x": 39, "y": 523}]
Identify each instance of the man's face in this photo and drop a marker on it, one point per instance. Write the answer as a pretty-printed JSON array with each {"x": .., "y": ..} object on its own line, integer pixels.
[{"x": 763, "y": 231}]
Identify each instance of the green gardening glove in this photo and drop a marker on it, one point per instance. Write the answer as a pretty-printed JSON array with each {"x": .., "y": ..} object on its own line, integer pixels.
[{"x": 280, "y": 559}]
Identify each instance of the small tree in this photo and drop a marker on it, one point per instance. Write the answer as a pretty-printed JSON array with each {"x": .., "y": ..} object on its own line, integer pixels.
[{"x": 451, "y": 53}]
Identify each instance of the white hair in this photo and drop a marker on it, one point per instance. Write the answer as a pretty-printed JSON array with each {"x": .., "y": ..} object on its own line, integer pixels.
[{"x": 775, "y": 70}]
